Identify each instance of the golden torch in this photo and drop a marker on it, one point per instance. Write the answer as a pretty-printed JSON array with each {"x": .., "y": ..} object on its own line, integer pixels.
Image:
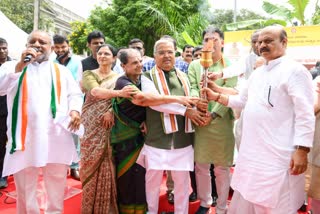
[{"x": 206, "y": 61}]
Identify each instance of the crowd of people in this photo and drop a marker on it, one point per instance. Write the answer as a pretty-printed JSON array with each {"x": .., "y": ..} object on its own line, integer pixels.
[{"x": 144, "y": 117}]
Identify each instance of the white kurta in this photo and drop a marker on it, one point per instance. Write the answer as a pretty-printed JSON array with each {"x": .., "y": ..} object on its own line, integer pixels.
[
  {"x": 46, "y": 142},
  {"x": 243, "y": 66},
  {"x": 278, "y": 115}
]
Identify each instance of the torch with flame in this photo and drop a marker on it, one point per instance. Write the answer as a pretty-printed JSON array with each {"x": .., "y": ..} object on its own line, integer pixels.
[{"x": 206, "y": 61}]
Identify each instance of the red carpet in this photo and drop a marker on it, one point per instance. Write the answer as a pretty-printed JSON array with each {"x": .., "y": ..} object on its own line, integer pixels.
[{"x": 72, "y": 205}]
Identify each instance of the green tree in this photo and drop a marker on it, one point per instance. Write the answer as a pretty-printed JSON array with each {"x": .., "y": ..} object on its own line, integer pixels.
[
  {"x": 316, "y": 15},
  {"x": 253, "y": 24},
  {"x": 295, "y": 9},
  {"x": 20, "y": 12},
  {"x": 193, "y": 29},
  {"x": 223, "y": 17},
  {"x": 144, "y": 19},
  {"x": 78, "y": 37}
]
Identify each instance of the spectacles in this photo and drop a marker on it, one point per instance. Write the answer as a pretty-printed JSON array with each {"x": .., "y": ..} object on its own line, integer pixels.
[
  {"x": 269, "y": 93},
  {"x": 162, "y": 53}
]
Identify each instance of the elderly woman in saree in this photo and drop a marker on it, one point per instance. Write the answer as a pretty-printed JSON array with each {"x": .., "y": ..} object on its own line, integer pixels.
[
  {"x": 97, "y": 169},
  {"x": 127, "y": 136}
]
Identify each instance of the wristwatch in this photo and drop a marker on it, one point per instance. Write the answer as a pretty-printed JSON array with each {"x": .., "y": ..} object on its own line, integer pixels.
[
  {"x": 304, "y": 148},
  {"x": 214, "y": 115}
]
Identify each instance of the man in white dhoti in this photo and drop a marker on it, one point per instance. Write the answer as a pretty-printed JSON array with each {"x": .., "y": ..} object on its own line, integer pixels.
[
  {"x": 278, "y": 128},
  {"x": 168, "y": 143},
  {"x": 40, "y": 94}
]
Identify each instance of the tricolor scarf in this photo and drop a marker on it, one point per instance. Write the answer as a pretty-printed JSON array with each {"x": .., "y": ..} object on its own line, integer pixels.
[
  {"x": 20, "y": 107},
  {"x": 169, "y": 121}
]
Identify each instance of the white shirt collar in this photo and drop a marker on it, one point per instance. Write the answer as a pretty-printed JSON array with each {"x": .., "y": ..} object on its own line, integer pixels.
[{"x": 272, "y": 63}]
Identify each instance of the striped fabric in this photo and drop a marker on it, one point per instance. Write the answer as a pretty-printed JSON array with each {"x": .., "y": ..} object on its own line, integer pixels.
[
  {"x": 20, "y": 107},
  {"x": 169, "y": 121}
]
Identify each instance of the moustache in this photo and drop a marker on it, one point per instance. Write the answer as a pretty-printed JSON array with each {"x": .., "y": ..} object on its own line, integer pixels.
[
  {"x": 188, "y": 55},
  {"x": 264, "y": 50}
]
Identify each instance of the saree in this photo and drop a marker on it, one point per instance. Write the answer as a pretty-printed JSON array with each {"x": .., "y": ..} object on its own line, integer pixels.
[
  {"x": 97, "y": 173},
  {"x": 127, "y": 141}
]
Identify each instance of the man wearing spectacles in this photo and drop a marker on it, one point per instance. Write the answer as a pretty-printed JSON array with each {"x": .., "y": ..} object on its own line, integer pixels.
[
  {"x": 168, "y": 144},
  {"x": 278, "y": 130},
  {"x": 180, "y": 64}
]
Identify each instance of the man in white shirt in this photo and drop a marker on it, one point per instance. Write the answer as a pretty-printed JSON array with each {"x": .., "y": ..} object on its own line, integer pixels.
[
  {"x": 39, "y": 94},
  {"x": 278, "y": 128}
]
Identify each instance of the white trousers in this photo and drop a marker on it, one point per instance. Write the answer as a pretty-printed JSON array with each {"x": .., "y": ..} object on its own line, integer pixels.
[
  {"x": 26, "y": 180},
  {"x": 181, "y": 181},
  {"x": 315, "y": 206},
  {"x": 239, "y": 205},
  {"x": 203, "y": 179}
]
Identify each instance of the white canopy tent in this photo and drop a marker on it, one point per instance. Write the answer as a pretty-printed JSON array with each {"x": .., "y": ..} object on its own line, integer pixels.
[{"x": 15, "y": 37}]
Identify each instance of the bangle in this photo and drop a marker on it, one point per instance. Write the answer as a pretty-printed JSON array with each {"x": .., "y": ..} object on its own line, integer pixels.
[{"x": 219, "y": 95}]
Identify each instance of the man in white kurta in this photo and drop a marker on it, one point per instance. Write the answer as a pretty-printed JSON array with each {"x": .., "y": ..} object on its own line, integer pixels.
[
  {"x": 46, "y": 144},
  {"x": 168, "y": 146},
  {"x": 278, "y": 127}
]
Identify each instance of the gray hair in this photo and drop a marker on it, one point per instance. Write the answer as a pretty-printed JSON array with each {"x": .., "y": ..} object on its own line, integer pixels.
[
  {"x": 41, "y": 31},
  {"x": 126, "y": 53},
  {"x": 162, "y": 41}
]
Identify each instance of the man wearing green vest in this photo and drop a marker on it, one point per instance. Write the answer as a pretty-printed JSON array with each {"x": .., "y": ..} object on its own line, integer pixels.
[
  {"x": 168, "y": 144},
  {"x": 214, "y": 142}
]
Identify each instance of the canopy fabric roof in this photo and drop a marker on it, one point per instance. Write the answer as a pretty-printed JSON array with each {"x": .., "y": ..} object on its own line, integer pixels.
[{"x": 15, "y": 37}]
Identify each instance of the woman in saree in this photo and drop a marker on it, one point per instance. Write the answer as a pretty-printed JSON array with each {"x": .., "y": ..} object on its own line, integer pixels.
[
  {"x": 127, "y": 136},
  {"x": 97, "y": 169}
]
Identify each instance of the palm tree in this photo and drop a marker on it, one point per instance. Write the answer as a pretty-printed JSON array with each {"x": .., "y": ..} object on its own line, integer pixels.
[
  {"x": 315, "y": 20},
  {"x": 296, "y": 10},
  {"x": 172, "y": 19},
  {"x": 191, "y": 33}
]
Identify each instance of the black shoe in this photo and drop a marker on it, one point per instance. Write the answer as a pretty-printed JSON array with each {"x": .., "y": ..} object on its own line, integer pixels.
[
  {"x": 3, "y": 183},
  {"x": 202, "y": 210},
  {"x": 170, "y": 197},
  {"x": 303, "y": 208},
  {"x": 193, "y": 197},
  {"x": 74, "y": 173},
  {"x": 214, "y": 201}
]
